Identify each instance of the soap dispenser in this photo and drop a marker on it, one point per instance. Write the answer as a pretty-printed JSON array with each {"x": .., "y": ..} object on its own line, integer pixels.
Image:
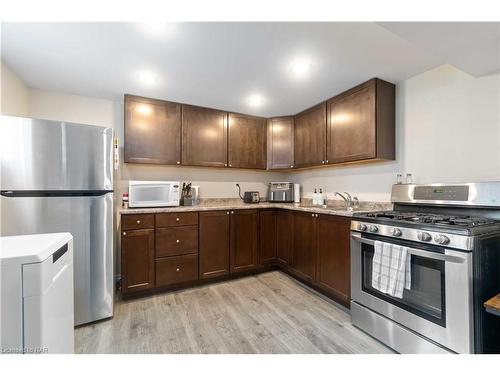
[{"x": 315, "y": 197}]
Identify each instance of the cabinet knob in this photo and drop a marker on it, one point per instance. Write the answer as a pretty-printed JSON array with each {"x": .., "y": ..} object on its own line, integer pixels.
[
  {"x": 177, "y": 269},
  {"x": 227, "y": 212},
  {"x": 327, "y": 160},
  {"x": 225, "y": 164},
  {"x": 291, "y": 166},
  {"x": 232, "y": 212},
  {"x": 230, "y": 165},
  {"x": 178, "y": 162},
  {"x": 124, "y": 233},
  {"x": 322, "y": 162},
  {"x": 138, "y": 221},
  {"x": 177, "y": 219},
  {"x": 177, "y": 241},
  {"x": 312, "y": 215}
]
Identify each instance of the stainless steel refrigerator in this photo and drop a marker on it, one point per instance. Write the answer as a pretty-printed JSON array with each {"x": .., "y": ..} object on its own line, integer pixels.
[{"x": 58, "y": 177}]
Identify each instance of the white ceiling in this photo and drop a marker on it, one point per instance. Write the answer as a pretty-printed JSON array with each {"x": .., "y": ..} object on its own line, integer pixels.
[{"x": 222, "y": 64}]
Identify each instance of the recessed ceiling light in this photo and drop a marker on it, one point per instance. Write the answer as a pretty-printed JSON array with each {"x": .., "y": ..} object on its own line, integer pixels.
[
  {"x": 158, "y": 28},
  {"x": 255, "y": 100},
  {"x": 300, "y": 67},
  {"x": 146, "y": 77}
]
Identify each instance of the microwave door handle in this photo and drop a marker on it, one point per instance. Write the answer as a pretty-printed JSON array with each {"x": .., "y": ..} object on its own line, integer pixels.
[{"x": 420, "y": 253}]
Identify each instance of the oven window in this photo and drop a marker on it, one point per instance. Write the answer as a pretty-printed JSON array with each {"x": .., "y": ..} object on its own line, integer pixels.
[{"x": 426, "y": 298}]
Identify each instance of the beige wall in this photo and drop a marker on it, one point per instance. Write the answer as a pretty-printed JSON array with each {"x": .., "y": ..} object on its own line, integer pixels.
[
  {"x": 448, "y": 129},
  {"x": 14, "y": 94}
]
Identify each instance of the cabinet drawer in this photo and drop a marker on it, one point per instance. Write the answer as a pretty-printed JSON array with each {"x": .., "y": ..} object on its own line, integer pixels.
[
  {"x": 176, "y": 241},
  {"x": 176, "y": 219},
  {"x": 178, "y": 269},
  {"x": 138, "y": 222}
]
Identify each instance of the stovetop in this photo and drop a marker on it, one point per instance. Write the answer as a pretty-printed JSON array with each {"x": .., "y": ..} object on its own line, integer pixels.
[{"x": 465, "y": 224}]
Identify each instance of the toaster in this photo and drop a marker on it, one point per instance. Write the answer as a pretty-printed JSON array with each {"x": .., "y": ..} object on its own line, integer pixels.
[{"x": 281, "y": 192}]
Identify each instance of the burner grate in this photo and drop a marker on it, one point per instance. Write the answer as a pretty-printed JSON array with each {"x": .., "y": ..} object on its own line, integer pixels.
[{"x": 425, "y": 218}]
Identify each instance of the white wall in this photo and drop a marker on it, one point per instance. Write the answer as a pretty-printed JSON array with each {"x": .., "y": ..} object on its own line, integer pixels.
[
  {"x": 448, "y": 130},
  {"x": 14, "y": 94}
]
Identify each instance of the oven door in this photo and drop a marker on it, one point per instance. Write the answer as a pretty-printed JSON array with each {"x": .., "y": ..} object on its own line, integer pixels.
[{"x": 438, "y": 305}]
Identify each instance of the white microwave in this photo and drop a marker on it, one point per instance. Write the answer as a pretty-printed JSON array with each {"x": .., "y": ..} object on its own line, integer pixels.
[{"x": 153, "y": 193}]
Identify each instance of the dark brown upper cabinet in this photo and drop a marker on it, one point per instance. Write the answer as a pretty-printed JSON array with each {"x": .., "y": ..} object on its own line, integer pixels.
[
  {"x": 280, "y": 143},
  {"x": 204, "y": 137},
  {"x": 152, "y": 131},
  {"x": 361, "y": 123},
  {"x": 246, "y": 141},
  {"x": 310, "y": 137}
]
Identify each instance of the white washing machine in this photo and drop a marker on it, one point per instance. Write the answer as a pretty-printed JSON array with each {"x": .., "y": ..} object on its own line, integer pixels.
[{"x": 37, "y": 314}]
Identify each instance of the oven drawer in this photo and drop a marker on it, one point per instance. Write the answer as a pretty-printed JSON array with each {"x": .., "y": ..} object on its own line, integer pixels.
[
  {"x": 176, "y": 241},
  {"x": 176, "y": 219},
  {"x": 130, "y": 222},
  {"x": 175, "y": 270}
]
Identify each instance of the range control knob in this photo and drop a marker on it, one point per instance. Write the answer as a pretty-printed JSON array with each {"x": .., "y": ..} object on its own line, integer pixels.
[
  {"x": 396, "y": 232},
  {"x": 361, "y": 227},
  {"x": 373, "y": 228},
  {"x": 441, "y": 239},
  {"x": 424, "y": 236}
]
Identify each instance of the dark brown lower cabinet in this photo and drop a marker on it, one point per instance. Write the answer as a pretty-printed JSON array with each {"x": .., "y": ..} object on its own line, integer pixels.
[
  {"x": 214, "y": 243},
  {"x": 314, "y": 248},
  {"x": 137, "y": 258},
  {"x": 284, "y": 230},
  {"x": 333, "y": 265},
  {"x": 267, "y": 236},
  {"x": 176, "y": 269},
  {"x": 244, "y": 240},
  {"x": 304, "y": 245}
]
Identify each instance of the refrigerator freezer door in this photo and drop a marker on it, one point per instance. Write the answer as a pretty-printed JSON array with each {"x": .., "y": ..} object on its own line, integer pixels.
[
  {"x": 49, "y": 155},
  {"x": 90, "y": 220}
]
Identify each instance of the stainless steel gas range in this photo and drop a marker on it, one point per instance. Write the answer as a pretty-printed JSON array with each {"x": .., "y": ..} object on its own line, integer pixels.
[{"x": 451, "y": 234}]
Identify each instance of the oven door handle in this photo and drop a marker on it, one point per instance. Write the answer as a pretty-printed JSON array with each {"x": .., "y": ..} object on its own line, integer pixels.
[{"x": 420, "y": 253}]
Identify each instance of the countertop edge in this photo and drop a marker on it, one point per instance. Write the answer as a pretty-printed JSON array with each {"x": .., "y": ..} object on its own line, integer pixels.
[{"x": 221, "y": 207}]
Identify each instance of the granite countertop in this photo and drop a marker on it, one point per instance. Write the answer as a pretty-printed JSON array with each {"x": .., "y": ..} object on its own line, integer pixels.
[{"x": 334, "y": 207}]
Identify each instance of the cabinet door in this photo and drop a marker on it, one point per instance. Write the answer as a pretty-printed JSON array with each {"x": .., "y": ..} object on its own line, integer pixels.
[
  {"x": 214, "y": 243},
  {"x": 310, "y": 137},
  {"x": 333, "y": 268},
  {"x": 204, "y": 137},
  {"x": 304, "y": 245},
  {"x": 267, "y": 236},
  {"x": 284, "y": 237},
  {"x": 280, "y": 143},
  {"x": 351, "y": 125},
  {"x": 137, "y": 260},
  {"x": 247, "y": 141},
  {"x": 244, "y": 239},
  {"x": 152, "y": 131}
]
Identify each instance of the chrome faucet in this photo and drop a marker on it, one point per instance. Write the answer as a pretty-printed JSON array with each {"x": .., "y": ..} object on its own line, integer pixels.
[{"x": 351, "y": 202}]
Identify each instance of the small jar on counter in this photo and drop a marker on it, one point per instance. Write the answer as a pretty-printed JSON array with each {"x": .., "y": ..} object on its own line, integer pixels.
[{"x": 125, "y": 200}]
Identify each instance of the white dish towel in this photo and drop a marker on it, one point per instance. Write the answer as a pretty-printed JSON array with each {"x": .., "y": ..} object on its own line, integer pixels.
[{"x": 391, "y": 270}]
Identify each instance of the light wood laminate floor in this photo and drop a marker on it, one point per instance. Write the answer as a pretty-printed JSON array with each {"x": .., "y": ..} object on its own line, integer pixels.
[{"x": 266, "y": 313}]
